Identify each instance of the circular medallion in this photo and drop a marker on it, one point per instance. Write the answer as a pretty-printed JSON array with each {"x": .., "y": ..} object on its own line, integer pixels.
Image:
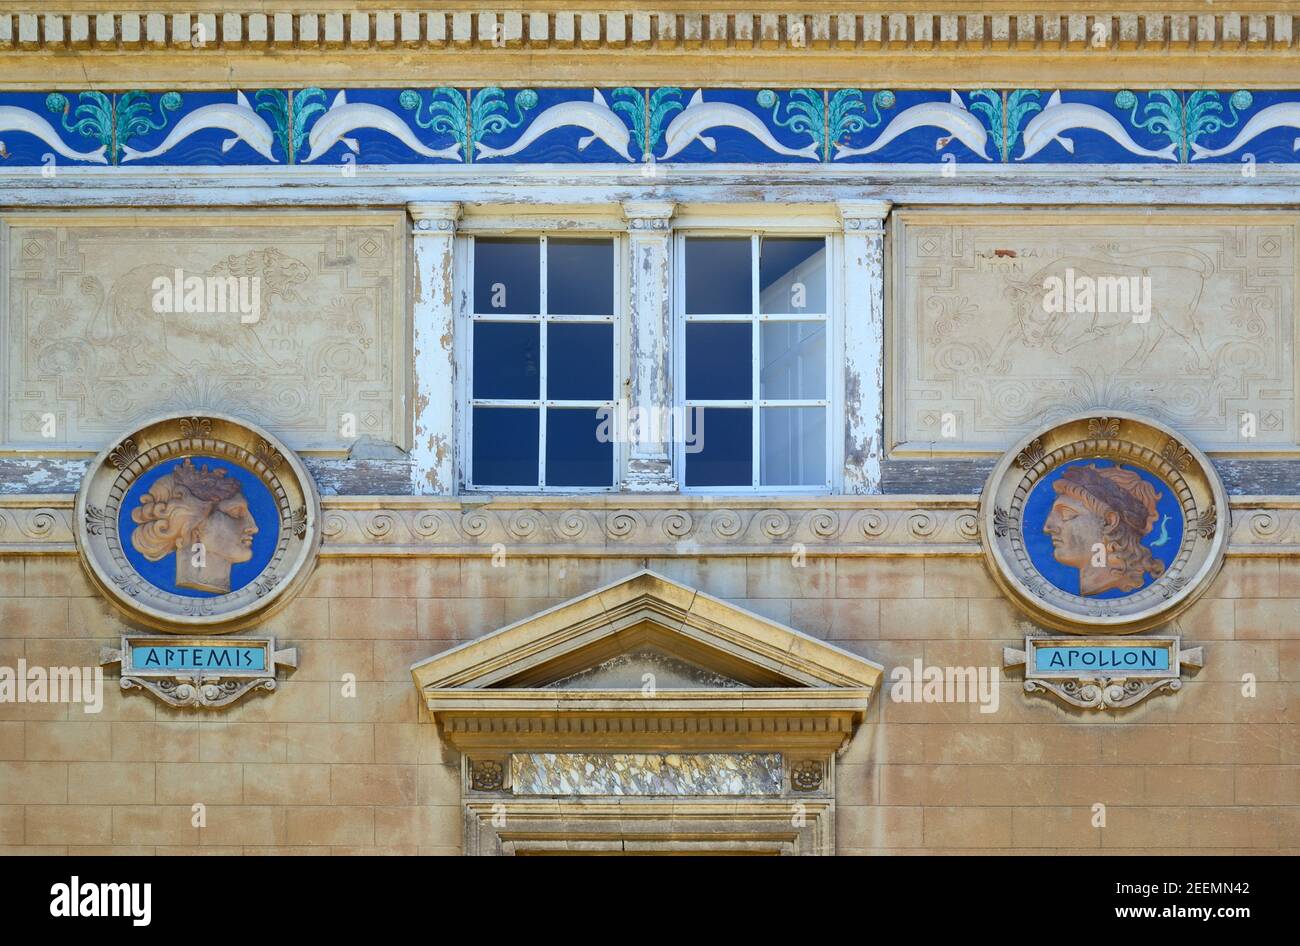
[
  {"x": 1104, "y": 524},
  {"x": 198, "y": 524}
]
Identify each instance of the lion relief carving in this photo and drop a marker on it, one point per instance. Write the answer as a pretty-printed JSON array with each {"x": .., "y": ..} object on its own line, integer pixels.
[{"x": 146, "y": 341}]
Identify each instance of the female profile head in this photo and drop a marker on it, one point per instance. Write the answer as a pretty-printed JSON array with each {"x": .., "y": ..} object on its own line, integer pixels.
[
  {"x": 1097, "y": 523},
  {"x": 202, "y": 516}
]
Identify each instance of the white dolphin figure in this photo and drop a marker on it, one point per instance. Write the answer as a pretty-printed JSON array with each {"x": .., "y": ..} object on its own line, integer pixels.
[
  {"x": 237, "y": 117},
  {"x": 1283, "y": 115},
  {"x": 595, "y": 116},
  {"x": 25, "y": 120},
  {"x": 952, "y": 116},
  {"x": 699, "y": 115},
  {"x": 1056, "y": 117},
  {"x": 342, "y": 118}
]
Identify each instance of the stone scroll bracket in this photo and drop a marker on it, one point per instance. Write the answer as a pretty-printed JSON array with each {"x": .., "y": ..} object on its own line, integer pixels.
[
  {"x": 433, "y": 414},
  {"x": 648, "y": 382},
  {"x": 864, "y": 343}
]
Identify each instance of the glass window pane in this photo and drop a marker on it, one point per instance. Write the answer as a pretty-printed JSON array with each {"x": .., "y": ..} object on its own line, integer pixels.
[
  {"x": 507, "y": 360},
  {"x": 794, "y": 360},
  {"x": 574, "y": 454},
  {"x": 505, "y": 446},
  {"x": 792, "y": 275},
  {"x": 794, "y": 446},
  {"x": 727, "y": 458},
  {"x": 718, "y": 361},
  {"x": 579, "y": 277},
  {"x": 579, "y": 361},
  {"x": 507, "y": 276},
  {"x": 719, "y": 276}
]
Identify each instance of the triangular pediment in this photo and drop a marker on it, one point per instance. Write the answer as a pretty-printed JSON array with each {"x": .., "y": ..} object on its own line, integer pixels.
[
  {"x": 645, "y": 623},
  {"x": 635, "y": 668}
]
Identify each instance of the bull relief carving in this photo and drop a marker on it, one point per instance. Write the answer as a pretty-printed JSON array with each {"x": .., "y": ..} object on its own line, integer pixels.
[
  {"x": 297, "y": 320},
  {"x": 1186, "y": 319}
]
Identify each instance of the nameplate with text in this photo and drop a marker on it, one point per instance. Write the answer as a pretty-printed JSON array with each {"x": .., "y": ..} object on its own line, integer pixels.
[
  {"x": 1102, "y": 673},
  {"x": 199, "y": 673}
]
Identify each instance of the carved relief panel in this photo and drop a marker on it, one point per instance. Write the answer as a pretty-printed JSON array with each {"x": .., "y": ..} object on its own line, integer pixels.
[
  {"x": 1005, "y": 321},
  {"x": 294, "y": 320}
]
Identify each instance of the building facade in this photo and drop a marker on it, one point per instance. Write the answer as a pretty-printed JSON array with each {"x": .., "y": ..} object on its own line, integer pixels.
[{"x": 577, "y": 428}]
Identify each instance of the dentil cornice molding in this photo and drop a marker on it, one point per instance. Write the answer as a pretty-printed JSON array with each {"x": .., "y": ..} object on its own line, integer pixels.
[{"x": 214, "y": 44}]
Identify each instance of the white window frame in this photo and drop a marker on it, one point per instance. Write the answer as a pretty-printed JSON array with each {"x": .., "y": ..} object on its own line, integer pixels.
[
  {"x": 467, "y": 318},
  {"x": 833, "y": 317}
]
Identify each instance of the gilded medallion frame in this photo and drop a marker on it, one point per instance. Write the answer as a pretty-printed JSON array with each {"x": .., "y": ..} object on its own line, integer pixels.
[
  {"x": 108, "y": 480},
  {"x": 1122, "y": 438}
]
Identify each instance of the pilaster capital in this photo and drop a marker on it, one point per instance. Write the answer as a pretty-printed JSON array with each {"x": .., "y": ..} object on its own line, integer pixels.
[
  {"x": 654, "y": 216},
  {"x": 865, "y": 216},
  {"x": 427, "y": 217}
]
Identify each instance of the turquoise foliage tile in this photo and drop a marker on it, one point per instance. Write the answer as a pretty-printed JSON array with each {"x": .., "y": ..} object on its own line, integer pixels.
[
  {"x": 850, "y": 113},
  {"x": 441, "y": 112},
  {"x": 289, "y": 124},
  {"x": 648, "y": 112}
]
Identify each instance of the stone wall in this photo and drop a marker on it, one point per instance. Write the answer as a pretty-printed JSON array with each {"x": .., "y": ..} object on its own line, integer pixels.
[
  {"x": 319, "y": 346},
  {"x": 308, "y": 770}
]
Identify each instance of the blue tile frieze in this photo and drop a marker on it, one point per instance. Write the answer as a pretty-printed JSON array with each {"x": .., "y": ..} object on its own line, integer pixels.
[{"x": 624, "y": 125}]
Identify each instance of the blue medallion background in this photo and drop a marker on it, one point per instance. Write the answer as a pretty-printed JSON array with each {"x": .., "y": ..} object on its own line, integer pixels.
[
  {"x": 162, "y": 574},
  {"x": 1065, "y": 577}
]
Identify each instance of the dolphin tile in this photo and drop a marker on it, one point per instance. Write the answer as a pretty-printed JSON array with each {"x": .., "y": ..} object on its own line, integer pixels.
[
  {"x": 719, "y": 126},
  {"x": 381, "y": 126},
  {"x": 1090, "y": 127},
  {"x": 1238, "y": 126},
  {"x": 204, "y": 128},
  {"x": 56, "y": 128},
  {"x": 918, "y": 128},
  {"x": 557, "y": 126}
]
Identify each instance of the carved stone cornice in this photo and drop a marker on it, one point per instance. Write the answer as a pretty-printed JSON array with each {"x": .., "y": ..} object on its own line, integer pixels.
[
  {"x": 37, "y": 524},
  {"x": 1017, "y": 41},
  {"x": 558, "y": 721},
  {"x": 636, "y": 525},
  {"x": 631, "y": 526},
  {"x": 1264, "y": 525}
]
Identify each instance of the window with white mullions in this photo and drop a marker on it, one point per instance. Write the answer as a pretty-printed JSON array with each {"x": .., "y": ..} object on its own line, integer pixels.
[
  {"x": 755, "y": 337},
  {"x": 542, "y": 362}
]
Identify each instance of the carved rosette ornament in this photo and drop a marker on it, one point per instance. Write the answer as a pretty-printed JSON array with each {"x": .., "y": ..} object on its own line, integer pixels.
[
  {"x": 1105, "y": 523},
  {"x": 486, "y": 775},
  {"x": 197, "y": 525},
  {"x": 806, "y": 775}
]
